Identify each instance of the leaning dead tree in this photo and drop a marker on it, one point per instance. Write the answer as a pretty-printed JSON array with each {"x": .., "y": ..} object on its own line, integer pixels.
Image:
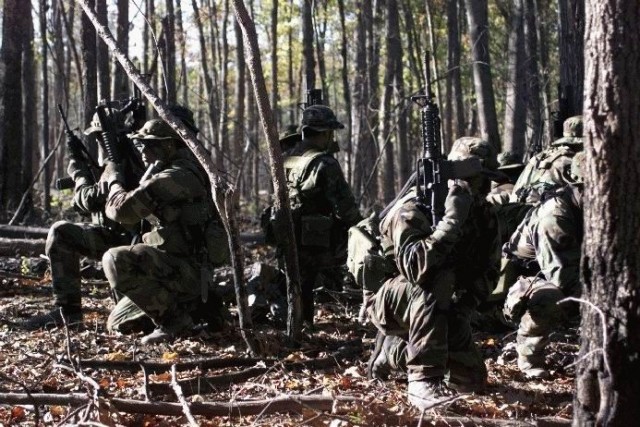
[
  {"x": 224, "y": 195},
  {"x": 281, "y": 203}
]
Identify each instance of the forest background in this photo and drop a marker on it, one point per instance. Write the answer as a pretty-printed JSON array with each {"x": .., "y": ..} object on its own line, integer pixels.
[{"x": 499, "y": 68}]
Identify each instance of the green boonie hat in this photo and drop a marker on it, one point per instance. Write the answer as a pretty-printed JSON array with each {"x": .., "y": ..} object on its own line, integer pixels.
[
  {"x": 577, "y": 167},
  {"x": 320, "y": 118},
  {"x": 571, "y": 132},
  {"x": 156, "y": 129},
  {"x": 289, "y": 136}
]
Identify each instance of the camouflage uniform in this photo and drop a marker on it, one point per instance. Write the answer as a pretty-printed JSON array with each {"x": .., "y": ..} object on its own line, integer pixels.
[
  {"x": 549, "y": 169},
  {"x": 322, "y": 203},
  {"x": 444, "y": 273},
  {"x": 67, "y": 242},
  {"x": 549, "y": 239},
  {"x": 167, "y": 272}
]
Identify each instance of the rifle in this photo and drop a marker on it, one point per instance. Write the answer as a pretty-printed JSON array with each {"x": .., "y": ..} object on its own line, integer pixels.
[
  {"x": 76, "y": 149},
  {"x": 314, "y": 97},
  {"x": 565, "y": 109}
]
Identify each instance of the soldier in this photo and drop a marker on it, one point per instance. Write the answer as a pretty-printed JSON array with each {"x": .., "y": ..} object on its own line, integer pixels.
[
  {"x": 321, "y": 201},
  {"x": 168, "y": 272},
  {"x": 68, "y": 241},
  {"x": 511, "y": 167},
  {"x": 549, "y": 169},
  {"x": 422, "y": 313},
  {"x": 548, "y": 240}
]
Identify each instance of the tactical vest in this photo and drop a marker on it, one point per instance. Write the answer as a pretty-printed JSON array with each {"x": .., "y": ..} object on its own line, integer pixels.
[{"x": 547, "y": 171}]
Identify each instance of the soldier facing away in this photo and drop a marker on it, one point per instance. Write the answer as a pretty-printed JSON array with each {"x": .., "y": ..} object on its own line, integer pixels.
[
  {"x": 422, "y": 313},
  {"x": 166, "y": 273},
  {"x": 548, "y": 240},
  {"x": 322, "y": 203}
]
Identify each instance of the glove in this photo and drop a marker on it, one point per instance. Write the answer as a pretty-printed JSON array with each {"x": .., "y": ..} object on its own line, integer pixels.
[
  {"x": 74, "y": 146},
  {"x": 112, "y": 173},
  {"x": 456, "y": 210}
]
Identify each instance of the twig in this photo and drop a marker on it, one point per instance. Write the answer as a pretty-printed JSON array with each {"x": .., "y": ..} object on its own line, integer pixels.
[
  {"x": 603, "y": 319},
  {"x": 178, "y": 391},
  {"x": 145, "y": 378},
  {"x": 208, "y": 363},
  {"x": 26, "y": 390}
]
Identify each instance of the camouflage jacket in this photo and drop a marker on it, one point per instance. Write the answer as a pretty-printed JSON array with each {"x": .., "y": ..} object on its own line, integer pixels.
[
  {"x": 176, "y": 202},
  {"x": 474, "y": 256},
  {"x": 317, "y": 185},
  {"x": 551, "y": 235},
  {"x": 548, "y": 170}
]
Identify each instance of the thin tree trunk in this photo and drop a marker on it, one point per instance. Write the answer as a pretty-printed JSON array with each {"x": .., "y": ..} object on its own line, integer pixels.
[
  {"x": 571, "y": 25},
  {"x": 102, "y": 58},
  {"x": 169, "y": 28},
  {"x": 477, "y": 15},
  {"x": 224, "y": 60},
  {"x": 307, "y": 44},
  {"x": 120, "y": 81},
  {"x": 533, "y": 75},
  {"x": 606, "y": 391},
  {"x": 454, "y": 103},
  {"x": 184, "y": 72},
  {"x": 223, "y": 196},
  {"x": 320, "y": 30},
  {"x": 515, "y": 120},
  {"x": 294, "y": 320},
  {"x": 274, "y": 60},
  {"x": 44, "y": 52},
  {"x": 89, "y": 76},
  {"x": 30, "y": 147},
  {"x": 290, "y": 79},
  {"x": 60, "y": 89},
  {"x": 238, "y": 125},
  {"x": 346, "y": 90}
]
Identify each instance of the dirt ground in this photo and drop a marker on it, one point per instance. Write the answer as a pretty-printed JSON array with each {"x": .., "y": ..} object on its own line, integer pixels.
[{"x": 331, "y": 362}]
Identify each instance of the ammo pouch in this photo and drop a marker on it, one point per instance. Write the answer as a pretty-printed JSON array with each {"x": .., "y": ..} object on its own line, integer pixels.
[{"x": 315, "y": 230}]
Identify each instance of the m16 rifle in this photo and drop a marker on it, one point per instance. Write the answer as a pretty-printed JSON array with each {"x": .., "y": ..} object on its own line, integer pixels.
[
  {"x": 433, "y": 169},
  {"x": 76, "y": 150},
  {"x": 314, "y": 97}
]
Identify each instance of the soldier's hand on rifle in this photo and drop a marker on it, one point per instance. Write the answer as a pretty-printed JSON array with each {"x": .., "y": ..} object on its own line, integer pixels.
[
  {"x": 458, "y": 203},
  {"x": 74, "y": 146},
  {"x": 112, "y": 174}
]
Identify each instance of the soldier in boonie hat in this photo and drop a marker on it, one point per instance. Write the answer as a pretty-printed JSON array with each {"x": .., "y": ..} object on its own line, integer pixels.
[
  {"x": 320, "y": 118},
  {"x": 571, "y": 132}
]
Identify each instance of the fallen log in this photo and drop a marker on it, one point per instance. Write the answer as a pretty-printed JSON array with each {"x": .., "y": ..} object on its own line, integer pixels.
[
  {"x": 23, "y": 232},
  {"x": 134, "y": 366},
  {"x": 21, "y": 247},
  {"x": 282, "y": 404}
]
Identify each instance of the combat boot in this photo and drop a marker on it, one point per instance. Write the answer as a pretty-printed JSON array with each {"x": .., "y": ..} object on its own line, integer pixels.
[
  {"x": 467, "y": 376},
  {"x": 428, "y": 393},
  {"x": 379, "y": 367},
  {"x": 177, "y": 326},
  {"x": 71, "y": 315},
  {"x": 533, "y": 367}
]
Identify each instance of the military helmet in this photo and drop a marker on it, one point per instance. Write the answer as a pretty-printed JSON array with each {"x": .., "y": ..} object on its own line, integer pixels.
[
  {"x": 320, "y": 118},
  {"x": 571, "y": 132},
  {"x": 577, "y": 167},
  {"x": 155, "y": 130}
]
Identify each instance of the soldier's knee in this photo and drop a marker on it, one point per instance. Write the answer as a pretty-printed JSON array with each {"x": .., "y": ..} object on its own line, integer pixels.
[{"x": 58, "y": 234}]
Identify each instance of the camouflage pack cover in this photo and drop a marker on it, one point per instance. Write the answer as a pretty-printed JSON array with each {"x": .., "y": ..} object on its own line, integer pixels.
[{"x": 571, "y": 132}]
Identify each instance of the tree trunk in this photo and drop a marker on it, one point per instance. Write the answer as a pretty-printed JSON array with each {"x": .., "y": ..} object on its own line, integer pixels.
[
  {"x": 238, "y": 124},
  {"x": 44, "y": 52},
  {"x": 61, "y": 76},
  {"x": 89, "y": 77},
  {"x": 571, "y": 22},
  {"x": 394, "y": 48},
  {"x": 170, "y": 55},
  {"x": 223, "y": 196},
  {"x": 224, "y": 60},
  {"x": 606, "y": 393},
  {"x": 346, "y": 91},
  {"x": 320, "y": 30},
  {"x": 30, "y": 123},
  {"x": 515, "y": 120},
  {"x": 294, "y": 320},
  {"x": 14, "y": 26},
  {"x": 293, "y": 93},
  {"x": 482, "y": 79},
  {"x": 102, "y": 58},
  {"x": 533, "y": 76},
  {"x": 307, "y": 45},
  {"x": 184, "y": 72},
  {"x": 454, "y": 108},
  {"x": 274, "y": 60}
]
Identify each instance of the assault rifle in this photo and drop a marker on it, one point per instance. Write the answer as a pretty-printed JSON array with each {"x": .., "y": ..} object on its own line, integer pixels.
[
  {"x": 314, "y": 97},
  {"x": 77, "y": 150},
  {"x": 433, "y": 169}
]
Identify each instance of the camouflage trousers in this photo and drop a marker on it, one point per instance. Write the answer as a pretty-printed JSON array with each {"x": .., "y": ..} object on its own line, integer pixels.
[
  {"x": 155, "y": 281},
  {"x": 435, "y": 335},
  {"x": 532, "y": 304},
  {"x": 66, "y": 243}
]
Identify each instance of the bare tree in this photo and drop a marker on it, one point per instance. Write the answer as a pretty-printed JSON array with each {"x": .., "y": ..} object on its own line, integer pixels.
[
  {"x": 571, "y": 24},
  {"x": 606, "y": 395},
  {"x": 515, "y": 110},
  {"x": 184, "y": 72},
  {"x": 102, "y": 58},
  {"x": 44, "y": 52},
  {"x": 169, "y": 59},
  {"x": 477, "y": 16},
  {"x": 30, "y": 122},
  {"x": 89, "y": 75},
  {"x": 454, "y": 107},
  {"x": 534, "y": 106},
  {"x": 307, "y": 44}
]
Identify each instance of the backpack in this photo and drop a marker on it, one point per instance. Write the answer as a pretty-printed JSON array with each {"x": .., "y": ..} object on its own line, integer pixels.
[{"x": 365, "y": 256}]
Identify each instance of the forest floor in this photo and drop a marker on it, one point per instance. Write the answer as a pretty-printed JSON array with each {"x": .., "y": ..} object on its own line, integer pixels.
[{"x": 322, "y": 382}]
